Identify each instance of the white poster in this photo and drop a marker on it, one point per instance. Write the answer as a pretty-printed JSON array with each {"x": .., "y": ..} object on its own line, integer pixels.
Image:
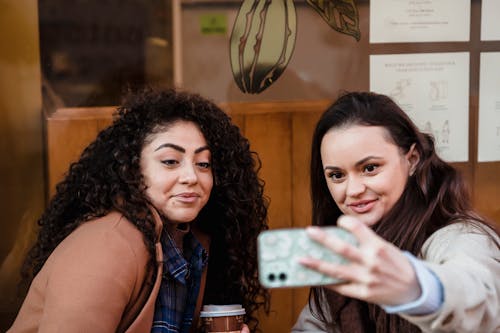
[
  {"x": 490, "y": 20},
  {"x": 489, "y": 108},
  {"x": 396, "y": 21},
  {"x": 433, "y": 89}
]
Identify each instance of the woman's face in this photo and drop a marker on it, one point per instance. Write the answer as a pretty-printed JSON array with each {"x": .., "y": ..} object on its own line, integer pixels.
[
  {"x": 365, "y": 171},
  {"x": 176, "y": 165}
]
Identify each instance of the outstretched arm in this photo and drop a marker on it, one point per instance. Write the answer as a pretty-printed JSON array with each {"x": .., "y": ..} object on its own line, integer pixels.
[
  {"x": 462, "y": 258},
  {"x": 378, "y": 271}
]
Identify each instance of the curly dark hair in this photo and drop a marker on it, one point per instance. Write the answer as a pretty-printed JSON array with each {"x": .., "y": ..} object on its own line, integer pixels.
[
  {"x": 435, "y": 196},
  {"x": 108, "y": 177}
]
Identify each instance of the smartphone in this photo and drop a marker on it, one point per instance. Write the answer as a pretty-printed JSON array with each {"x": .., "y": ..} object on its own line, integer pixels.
[{"x": 280, "y": 249}]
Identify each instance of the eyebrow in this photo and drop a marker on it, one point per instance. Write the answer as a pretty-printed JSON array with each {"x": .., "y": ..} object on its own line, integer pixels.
[
  {"x": 366, "y": 159},
  {"x": 179, "y": 148},
  {"x": 358, "y": 163}
]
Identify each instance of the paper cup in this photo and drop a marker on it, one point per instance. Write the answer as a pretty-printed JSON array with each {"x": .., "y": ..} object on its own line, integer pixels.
[{"x": 222, "y": 318}]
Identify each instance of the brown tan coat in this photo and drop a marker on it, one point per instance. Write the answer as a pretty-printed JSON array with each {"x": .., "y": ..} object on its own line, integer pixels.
[{"x": 91, "y": 282}]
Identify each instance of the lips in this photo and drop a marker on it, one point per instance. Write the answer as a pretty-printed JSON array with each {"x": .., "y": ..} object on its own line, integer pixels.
[
  {"x": 187, "y": 197},
  {"x": 362, "y": 206}
]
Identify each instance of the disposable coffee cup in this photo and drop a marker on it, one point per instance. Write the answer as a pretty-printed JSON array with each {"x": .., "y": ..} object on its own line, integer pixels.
[{"x": 222, "y": 318}]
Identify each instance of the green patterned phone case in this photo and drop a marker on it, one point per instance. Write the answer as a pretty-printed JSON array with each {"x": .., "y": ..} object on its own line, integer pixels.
[{"x": 280, "y": 249}]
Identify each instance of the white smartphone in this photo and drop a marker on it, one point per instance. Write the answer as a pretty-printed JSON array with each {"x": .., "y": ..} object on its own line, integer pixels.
[{"x": 280, "y": 249}]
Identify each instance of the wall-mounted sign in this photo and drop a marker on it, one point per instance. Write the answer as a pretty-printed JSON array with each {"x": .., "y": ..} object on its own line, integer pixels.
[
  {"x": 490, "y": 24},
  {"x": 406, "y": 21},
  {"x": 489, "y": 108},
  {"x": 433, "y": 88},
  {"x": 213, "y": 24}
]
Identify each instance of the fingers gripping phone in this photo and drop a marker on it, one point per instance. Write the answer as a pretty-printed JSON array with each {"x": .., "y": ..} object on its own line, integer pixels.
[{"x": 279, "y": 251}]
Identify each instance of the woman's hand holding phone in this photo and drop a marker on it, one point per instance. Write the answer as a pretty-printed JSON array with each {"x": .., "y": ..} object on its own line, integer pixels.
[{"x": 376, "y": 272}]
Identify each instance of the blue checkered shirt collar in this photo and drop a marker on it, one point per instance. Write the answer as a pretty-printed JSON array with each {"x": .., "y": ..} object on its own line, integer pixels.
[{"x": 180, "y": 285}]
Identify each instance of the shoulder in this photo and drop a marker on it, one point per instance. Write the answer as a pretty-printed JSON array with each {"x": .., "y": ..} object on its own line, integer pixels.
[
  {"x": 109, "y": 241},
  {"x": 463, "y": 229},
  {"x": 464, "y": 256},
  {"x": 91, "y": 277},
  {"x": 112, "y": 229},
  {"x": 462, "y": 236},
  {"x": 307, "y": 322},
  {"x": 112, "y": 224}
]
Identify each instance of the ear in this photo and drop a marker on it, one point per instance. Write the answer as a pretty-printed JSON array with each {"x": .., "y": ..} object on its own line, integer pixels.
[{"x": 413, "y": 157}]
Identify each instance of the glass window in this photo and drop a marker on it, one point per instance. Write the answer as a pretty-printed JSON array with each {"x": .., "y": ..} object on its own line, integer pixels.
[{"x": 92, "y": 51}]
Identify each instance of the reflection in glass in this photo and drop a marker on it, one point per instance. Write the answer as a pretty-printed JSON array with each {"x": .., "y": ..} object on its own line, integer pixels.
[{"x": 92, "y": 51}]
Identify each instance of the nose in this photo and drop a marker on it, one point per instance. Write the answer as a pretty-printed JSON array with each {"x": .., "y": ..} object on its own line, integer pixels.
[
  {"x": 188, "y": 174},
  {"x": 355, "y": 186}
]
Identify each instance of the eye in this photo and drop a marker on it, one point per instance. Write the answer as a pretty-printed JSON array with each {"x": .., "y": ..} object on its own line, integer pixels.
[
  {"x": 170, "y": 163},
  {"x": 204, "y": 165},
  {"x": 335, "y": 176},
  {"x": 370, "y": 168}
]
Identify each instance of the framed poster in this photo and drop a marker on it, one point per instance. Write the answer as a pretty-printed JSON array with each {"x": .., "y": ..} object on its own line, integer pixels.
[
  {"x": 433, "y": 88},
  {"x": 406, "y": 21}
]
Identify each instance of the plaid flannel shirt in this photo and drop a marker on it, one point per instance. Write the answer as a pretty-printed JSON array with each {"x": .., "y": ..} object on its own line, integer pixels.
[{"x": 180, "y": 285}]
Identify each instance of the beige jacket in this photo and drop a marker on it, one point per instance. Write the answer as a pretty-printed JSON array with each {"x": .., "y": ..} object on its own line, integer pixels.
[
  {"x": 467, "y": 262},
  {"x": 91, "y": 282}
]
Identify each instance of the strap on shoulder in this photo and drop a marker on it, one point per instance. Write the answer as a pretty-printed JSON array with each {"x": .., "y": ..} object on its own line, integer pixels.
[
  {"x": 158, "y": 223},
  {"x": 144, "y": 305},
  {"x": 204, "y": 240}
]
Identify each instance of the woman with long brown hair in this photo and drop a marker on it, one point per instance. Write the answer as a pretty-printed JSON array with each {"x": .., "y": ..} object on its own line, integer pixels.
[{"x": 425, "y": 261}]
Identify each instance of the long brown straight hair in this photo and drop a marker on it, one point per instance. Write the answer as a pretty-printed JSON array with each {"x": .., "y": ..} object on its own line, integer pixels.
[{"x": 435, "y": 196}]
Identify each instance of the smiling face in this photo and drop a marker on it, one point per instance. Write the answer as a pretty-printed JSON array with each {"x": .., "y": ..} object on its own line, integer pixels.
[
  {"x": 365, "y": 171},
  {"x": 176, "y": 165}
]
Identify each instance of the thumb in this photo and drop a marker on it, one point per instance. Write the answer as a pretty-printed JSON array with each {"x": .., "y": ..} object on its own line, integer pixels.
[{"x": 361, "y": 231}]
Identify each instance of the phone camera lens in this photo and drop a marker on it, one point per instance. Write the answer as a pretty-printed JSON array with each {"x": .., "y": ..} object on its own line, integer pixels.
[
  {"x": 271, "y": 277},
  {"x": 282, "y": 276}
]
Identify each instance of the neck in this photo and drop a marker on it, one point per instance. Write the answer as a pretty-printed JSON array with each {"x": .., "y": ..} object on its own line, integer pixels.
[{"x": 177, "y": 231}]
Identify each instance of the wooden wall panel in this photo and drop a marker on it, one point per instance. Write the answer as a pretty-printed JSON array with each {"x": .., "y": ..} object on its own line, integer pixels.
[
  {"x": 303, "y": 125},
  {"x": 487, "y": 190},
  {"x": 69, "y": 131},
  {"x": 269, "y": 135},
  {"x": 239, "y": 120},
  {"x": 70, "y": 137}
]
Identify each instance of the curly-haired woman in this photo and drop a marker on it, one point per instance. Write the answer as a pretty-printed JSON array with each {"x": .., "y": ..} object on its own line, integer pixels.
[
  {"x": 425, "y": 261},
  {"x": 158, "y": 216}
]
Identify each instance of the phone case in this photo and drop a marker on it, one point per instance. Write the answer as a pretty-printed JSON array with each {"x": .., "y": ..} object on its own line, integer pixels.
[{"x": 280, "y": 249}]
